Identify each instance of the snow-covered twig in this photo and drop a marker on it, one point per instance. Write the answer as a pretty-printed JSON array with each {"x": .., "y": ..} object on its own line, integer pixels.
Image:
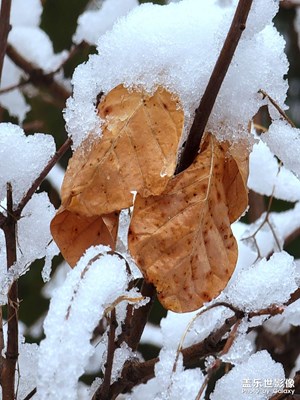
[{"x": 135, "y": 373}]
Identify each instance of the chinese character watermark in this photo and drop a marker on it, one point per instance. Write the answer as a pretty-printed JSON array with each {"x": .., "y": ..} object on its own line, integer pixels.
[{"x": 269, "y": 386}]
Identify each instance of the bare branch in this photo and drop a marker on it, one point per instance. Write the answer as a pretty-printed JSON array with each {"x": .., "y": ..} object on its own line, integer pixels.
[
  {"x": 13, "y": 87},
  {"x": 207, "y": 102},
  {"x": 136, "y": 318},
  {"x": 103, "y": 391},
  {"x": 4, "y": 30},
  {"x": 135, "y": 373},
  {"x": 12, "y": 352}
]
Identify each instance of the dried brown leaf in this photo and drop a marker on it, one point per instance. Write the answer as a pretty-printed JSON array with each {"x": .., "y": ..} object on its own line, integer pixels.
[
  {"x": 136, "y": 152},
  {"x": 74, "y": 233},
  {"x": 182, "y": 240}
]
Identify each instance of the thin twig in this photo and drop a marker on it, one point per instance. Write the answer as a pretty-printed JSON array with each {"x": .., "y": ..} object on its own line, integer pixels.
[
  {"x": 30, "y": 395},
  {"x": 212, "y": 89},
  {"x": 4, "y": 30},
  {"x": 1, "y": 344},
  {"x": 15, "y": 86},
  {"x": 60, "y": 152},
  {"x": 12, "y": 352},
  {"x": 278, "y": 108},
  {"x": 73, "y": 52}
]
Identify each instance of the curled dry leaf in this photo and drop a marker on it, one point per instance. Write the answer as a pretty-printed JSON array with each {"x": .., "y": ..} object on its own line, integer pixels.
[
  {"x": 182, "y": 240},
  {"x": 136, "y": 152},
  {"x": 74, "y": 233}
]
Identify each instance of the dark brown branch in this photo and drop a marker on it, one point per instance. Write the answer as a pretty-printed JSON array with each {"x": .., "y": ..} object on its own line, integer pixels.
[
  {"x": 135, "y": 373},
  {"x": 37, "y": 76},
  {"x": 132, "y": 330},
  {"x": 217, "y": 77},
  {"x": 103, "y": 392},
  {"x": 12, "y": 352},
  {"x": 1, "y": 344},
  {"x": 292, "y": 236},
  {"x": 137, "y": 318},
  {"x": 257, "y": 206},
  {"x": 289, "y": 4},
  {"x": 4, "y": 30}
]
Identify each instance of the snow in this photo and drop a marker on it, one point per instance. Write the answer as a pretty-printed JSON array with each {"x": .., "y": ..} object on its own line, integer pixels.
[
  {"x": 281, "y": 324},
  {"x": 297, "y": 24},
  {"x": 169, "y": 385},
  {"x": 28, "y": 355},
  {"x": 30, "y": 155},
  {"x": 284, "y": 142},
  {"x": 13, "y": 101},
  {"x": 259, "y": 367},
  {"x": 263, "y": 284},
  {"x": 122, "y": 354},
  {"x": 89, "y": 289},
  {"x": 122, "y": 242},
  {"x": 56, "y": 176},
  {"x": 34, "y": 45},
  {"x": 154, "y": 40},
  {"x": 267, "y": 178},
  {"x": 93, "y": 23},
  {"x": 34, "y": 242},
  {"x": 26, "y": 14},
  {"x": 34, "y": 237},
  {"x": 243, "y": 345},
  {"x": 152, "y": 335},
  {"x": 175, "y": 326},
  {"x": 261, "y": 238}
]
